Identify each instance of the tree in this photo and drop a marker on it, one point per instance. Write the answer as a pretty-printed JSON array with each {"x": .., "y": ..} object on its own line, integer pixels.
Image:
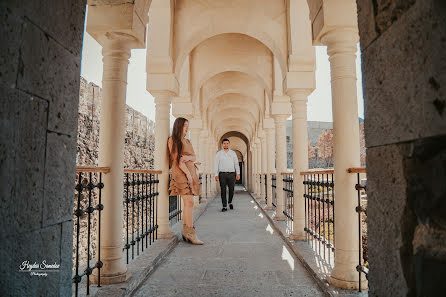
[
  {"x": 325, "y": 147},
  {"x": 311, "y": 151}
]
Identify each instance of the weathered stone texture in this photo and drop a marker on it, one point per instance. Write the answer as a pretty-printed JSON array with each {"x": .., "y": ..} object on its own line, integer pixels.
[
  {"x": 11, "y": 27},
  {"x": 139, "y": 132},
  {"x": 59, "y": 197},
  {"x": 404, "y": 74},
  {"x": 408, "y": 103},
  {"x": 386, "y": 191},
  {"x": 39, "y": 87},
  {"x": 46, "y": 70}
]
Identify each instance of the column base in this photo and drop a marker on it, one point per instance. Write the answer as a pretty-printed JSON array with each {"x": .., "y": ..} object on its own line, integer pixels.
[
  {"x": 203, "y": 200},
  {"x": 279, "y": 218},
  {"x": 297, "y": 237},
  {"x": 262, "y": 200},
  {"x": 165, "y": 235},
  {"x": 109, "y": 279},
  {"x": 268, "y": 207},
  {"x": 348, "y": 285}
]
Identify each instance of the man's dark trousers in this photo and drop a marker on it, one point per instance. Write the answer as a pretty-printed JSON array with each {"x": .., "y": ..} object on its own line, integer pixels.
[{"x": 226, "y": 179}]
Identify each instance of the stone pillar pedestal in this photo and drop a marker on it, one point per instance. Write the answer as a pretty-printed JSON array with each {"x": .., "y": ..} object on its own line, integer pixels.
[
  {"x": 341, "y": 46},
  {"x": 270, "y": 165},
  {"x": 116, "y": 54},
  {"x": 280, "y": 124},
  {"x": 162, "y": 122},
  {"x": 300, "y": 158}
]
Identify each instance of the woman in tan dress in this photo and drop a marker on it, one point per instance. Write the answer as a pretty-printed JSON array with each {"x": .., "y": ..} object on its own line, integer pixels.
[{"x": 184, "y": 181}]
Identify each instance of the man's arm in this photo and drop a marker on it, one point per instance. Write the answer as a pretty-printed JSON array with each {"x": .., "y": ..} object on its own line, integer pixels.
[{"x": 216, "y": 163}]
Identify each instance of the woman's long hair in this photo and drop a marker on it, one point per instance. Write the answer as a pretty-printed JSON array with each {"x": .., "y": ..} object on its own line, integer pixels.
[{"x": 177, "y": 136}]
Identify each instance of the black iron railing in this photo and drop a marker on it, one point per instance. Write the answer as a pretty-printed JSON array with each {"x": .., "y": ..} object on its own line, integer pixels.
[
  {"x": 361, "y": 209},
  {"x": 140, "y": 209},
  {"x": 266, "y": 187},
  {"x": 174, "y": 207},
  {"x": 260, "y": 184},
  {"x": 288, "y": 194},
  {"x": 206, "y": 186},
  {"x": 200, "y": 177},
  {"x": 273, "y": 186},
  {"x": 87, "y": 207},
  {"x": 319, "y": 211}
]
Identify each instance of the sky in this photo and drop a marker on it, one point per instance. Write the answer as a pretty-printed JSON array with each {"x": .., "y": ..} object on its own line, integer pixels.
[{"x": 319, "y": 102}]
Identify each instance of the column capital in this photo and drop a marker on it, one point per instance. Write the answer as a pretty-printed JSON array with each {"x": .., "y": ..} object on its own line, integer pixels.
[
  {"x": 298, "y": 94},
  {"x": 162, "y": 82},
  {"x": 162, "y": 96},
  {"x": 195, "y": 124},
  {"x": 261, "y": 134},
  {"x": 126, "y": 19},
  {"x": 281, "y": 109},
  {"x": 341, "y": 40},
  {"x": 279, "y": 117}
]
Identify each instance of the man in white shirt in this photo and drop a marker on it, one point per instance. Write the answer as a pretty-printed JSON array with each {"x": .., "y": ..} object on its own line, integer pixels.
[{"x": 226, "y": 171}]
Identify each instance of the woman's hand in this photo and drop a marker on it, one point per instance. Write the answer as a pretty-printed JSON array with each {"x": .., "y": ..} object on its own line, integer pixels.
[
  {"x": 189, "y": 179},
  {"x": 185, "y": 158}
]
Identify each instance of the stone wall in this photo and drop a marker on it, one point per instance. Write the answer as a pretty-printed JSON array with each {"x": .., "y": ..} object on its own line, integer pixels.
[
  {"x": 40, "y": 58},
  {"x": 404, "y": 76},
  {"x": 139, "y": 132}
]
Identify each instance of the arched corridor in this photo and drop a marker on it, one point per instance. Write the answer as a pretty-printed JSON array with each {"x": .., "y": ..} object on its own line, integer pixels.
[{"x": 236, "y": 69}]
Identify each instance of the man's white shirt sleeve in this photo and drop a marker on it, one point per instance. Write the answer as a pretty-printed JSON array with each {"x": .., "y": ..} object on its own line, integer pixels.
[{"x": 216, "y": 163}]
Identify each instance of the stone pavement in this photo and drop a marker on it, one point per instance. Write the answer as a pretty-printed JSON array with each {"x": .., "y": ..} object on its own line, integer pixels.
[{"x": 242, "y": 256}]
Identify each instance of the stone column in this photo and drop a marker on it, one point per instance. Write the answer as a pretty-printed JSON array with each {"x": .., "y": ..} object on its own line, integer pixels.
[
  {"x": 270, "y": 164},
  {"x": 258, "y": 167},
  {"x": 251, "y": 168},
  {"x": 341, "y": 47},
  {"x": 300, "y": 158},
  {"x": 162, "y": 122},
  {"x": 264, "y": 165},
  {"x": 254, "y": 173},
  {"x": 203, "y": 166},
  {"x": 111, "y": 154},
  {"x": 280, "y": 124},
  {"x": 210, "y": 168},
  {"x": 194, "y": 138}
]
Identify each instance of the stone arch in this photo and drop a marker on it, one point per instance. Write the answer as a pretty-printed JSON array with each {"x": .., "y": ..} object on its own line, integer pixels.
[
  {"x": 231, "y": 82},
  {"x": 237, "y": 53},
  {"x": 235, "y": 122},
  {"x": 265, "y": 21},
  {"x": 236, "y": 101}
]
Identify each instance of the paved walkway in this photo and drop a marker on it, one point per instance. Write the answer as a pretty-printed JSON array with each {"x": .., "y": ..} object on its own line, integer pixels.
[{"x": 242, "y": 256}]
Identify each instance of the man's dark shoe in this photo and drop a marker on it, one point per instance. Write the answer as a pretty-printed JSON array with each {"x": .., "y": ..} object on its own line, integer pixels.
[
  {"x": 224, "y": 209},
  {"x": 231, "y": 206}
]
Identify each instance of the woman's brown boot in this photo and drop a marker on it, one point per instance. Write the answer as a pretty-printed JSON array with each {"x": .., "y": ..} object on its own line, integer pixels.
[
  {"x": 191, "y": 236},
  {"x": 184, "y": 232}
]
